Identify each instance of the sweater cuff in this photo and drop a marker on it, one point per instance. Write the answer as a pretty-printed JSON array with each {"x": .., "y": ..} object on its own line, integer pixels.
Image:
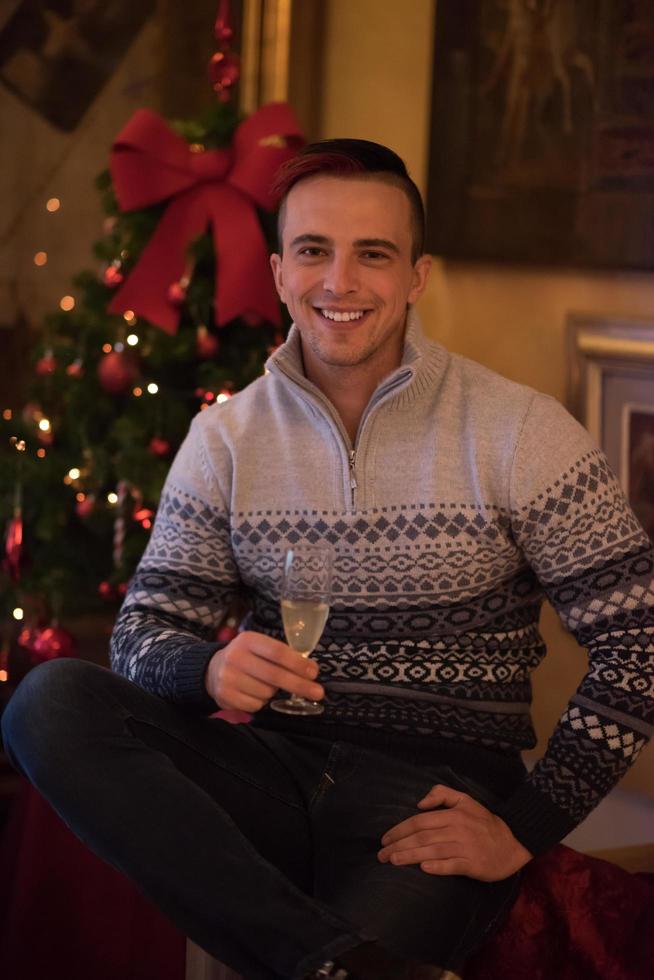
[
  {"x": 534, "y": 819},
  {"x": 190, "y": 671}
]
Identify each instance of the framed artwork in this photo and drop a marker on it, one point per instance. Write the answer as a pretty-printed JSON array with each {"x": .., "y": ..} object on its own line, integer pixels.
[
  {"x": 542, "y": 132},
  {"x": 57, "y": 54},
  {"x": 611, "y": 391}
]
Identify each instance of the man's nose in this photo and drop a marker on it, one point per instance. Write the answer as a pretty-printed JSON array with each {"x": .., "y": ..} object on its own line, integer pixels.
[{"x": 341, "y": 276}]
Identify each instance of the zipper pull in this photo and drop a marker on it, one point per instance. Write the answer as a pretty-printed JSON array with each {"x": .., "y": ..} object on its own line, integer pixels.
[{"x": 353, "y": 479}]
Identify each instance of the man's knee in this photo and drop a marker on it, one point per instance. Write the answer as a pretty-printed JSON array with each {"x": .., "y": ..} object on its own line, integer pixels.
[{"x": 42, "y": 708}]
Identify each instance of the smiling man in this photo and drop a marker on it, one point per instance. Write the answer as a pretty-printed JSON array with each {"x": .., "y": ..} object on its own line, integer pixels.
[{"x": 384, "y": 838}]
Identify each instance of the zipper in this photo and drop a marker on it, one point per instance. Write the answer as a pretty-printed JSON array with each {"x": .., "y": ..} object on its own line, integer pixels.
[{"x": 353, "y": 479}]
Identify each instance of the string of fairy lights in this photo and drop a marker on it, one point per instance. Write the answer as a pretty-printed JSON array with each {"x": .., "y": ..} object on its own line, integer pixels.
[{"x": 75, "y": 476}]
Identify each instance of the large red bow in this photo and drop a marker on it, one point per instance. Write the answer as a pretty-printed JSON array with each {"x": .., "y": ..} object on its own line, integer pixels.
[{"x": 151, "y": 163}]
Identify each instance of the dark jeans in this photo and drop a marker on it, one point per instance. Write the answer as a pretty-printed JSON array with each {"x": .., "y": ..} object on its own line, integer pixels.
[{"x": 258, "y": 845}]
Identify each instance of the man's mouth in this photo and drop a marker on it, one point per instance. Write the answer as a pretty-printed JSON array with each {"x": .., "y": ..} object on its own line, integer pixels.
[{"x": 341, "y": 316}]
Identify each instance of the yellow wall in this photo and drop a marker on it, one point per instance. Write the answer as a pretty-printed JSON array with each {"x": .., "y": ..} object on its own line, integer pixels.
[{"x": 377, "y": 85}]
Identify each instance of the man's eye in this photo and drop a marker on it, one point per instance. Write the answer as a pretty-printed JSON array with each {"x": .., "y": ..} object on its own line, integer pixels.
[
  {"x": 311, "y": 251},
  {"x": 376, "y": 256}
]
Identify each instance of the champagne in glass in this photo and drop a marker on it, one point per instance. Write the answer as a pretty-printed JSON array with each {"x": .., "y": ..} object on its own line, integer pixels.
[{"x": 305, "y": 598}]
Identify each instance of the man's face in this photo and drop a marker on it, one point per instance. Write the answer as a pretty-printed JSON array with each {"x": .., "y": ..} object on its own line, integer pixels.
[{"x": 346, "y": 273}]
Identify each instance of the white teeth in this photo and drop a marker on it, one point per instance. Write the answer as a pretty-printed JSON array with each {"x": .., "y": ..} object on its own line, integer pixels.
[{"x": 342, "y": 317}]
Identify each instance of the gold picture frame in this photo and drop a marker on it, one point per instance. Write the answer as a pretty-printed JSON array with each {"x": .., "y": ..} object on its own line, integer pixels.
[
  {"x": 265, "y": 52},
  {"x": 282, "y": 57}
]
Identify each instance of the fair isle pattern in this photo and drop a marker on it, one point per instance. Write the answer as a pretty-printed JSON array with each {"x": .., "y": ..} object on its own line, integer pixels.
[
  {"x": 433, "y": 628},
  {"x": 600, "y": 584}
]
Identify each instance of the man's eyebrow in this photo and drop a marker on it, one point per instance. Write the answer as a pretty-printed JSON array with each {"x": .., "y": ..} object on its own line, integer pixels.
[
  {"x": 377, "y": 243},
  {"x": 359, "y": 243},
  {"x": 308, "y": 237}
]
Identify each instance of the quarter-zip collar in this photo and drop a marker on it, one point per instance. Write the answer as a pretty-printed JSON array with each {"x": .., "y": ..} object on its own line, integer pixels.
[{"x": 423, "y": 364}]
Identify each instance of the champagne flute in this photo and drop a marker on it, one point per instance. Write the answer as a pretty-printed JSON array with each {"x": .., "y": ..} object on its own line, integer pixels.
[{"x": 305, "y": 599}]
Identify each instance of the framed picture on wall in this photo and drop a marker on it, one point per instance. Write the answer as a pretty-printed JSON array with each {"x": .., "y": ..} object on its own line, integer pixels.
[
  {"x": 542, "y": 132},
  {"x": 611, "y": 392},
  {"x": 56, "y": 55}
]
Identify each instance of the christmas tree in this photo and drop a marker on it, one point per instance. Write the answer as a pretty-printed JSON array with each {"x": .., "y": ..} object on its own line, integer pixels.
[{"x": 180, "y": 312}]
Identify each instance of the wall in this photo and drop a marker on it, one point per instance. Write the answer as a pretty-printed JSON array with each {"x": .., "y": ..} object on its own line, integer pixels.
[{"x": 376, "y": 85}]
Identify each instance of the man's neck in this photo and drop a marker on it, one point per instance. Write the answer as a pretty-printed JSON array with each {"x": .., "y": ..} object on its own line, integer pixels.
[{"x": 349, "y": 389}]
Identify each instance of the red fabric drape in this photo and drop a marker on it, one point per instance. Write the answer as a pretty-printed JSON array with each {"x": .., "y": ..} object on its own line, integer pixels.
[{"x": 66, "y": 915}]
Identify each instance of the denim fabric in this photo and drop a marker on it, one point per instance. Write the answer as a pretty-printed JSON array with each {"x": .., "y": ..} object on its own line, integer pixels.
[{"x": 259, "y": 845}]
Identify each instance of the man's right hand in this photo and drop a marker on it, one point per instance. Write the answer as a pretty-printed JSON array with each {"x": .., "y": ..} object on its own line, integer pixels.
[{"x": 246, "y": 673}]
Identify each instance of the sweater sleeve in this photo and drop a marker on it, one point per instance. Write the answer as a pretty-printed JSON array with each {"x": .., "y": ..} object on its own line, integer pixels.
[
  {"x": 164, "y": 635},
  {"x": 595, "y": 563}
]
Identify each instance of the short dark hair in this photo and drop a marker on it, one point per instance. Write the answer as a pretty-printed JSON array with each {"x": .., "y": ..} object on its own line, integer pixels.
[{"x": 352, "y": 158}]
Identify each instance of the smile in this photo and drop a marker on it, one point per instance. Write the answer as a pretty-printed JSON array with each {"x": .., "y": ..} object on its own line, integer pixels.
[{"x": 343, "y": 316}]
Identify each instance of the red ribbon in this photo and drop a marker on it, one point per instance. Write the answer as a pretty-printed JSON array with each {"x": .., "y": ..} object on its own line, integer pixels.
[{"x": 151, "y": 163}]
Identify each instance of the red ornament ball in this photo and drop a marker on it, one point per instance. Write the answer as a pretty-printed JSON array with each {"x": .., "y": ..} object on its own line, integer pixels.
[
  {"x": 222, "y": 31},
  {"x": 177, "y": 291},
  {"x": 117, "y": 372},
  {"x": 206, "y": 344},
  {"x": 27, "y": 636},
  {"x": 159, "y": 447},
  {"x": 46, "y": 364},
  {"x": 106, "y": 591},
  {"x": 54, "y": 641},
  {"x": 75, "y": 369},
  {"x": 224, "y": 71},
  {"x": 112, "y": 275}
]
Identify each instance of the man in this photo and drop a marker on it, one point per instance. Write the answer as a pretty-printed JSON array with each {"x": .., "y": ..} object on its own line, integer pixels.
[{"x": 384, "y": 838}]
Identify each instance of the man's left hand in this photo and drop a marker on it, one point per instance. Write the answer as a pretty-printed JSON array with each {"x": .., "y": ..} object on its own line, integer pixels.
[{"x": 463, "y": 839}]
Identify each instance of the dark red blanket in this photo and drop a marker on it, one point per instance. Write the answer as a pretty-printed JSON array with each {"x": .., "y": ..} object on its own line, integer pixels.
[{"x": 576, "y": 918}]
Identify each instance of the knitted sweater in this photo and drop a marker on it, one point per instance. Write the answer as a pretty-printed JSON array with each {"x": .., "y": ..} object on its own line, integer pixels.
[{"x": 465, "y": 501}]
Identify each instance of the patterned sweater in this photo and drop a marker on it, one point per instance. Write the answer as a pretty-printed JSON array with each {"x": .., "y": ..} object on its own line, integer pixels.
[{"x": 465, "y": 501}]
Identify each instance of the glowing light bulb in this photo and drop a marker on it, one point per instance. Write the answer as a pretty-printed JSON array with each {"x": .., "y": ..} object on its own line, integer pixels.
[
  {"x": 79, "y": 497},
  {"x": 107, "y": 348},
  {"x": 67, "y": 303},
  {"x": 137, "y": 392},
  {"x": 40, "y": 453},
  {"x": 44, "y": 425},
  {"x": 7, "y": 415},
  {"x": 129, "y": 316},
  {"x": 132, "y": 340},
  {"x": 112, "y": 498},
  {"x": 223, "y": 397},
  {"x": 4, "y": 676},
  {"x": 74, "y": 474},
  {"x": 53, "y": 204},
  {"x": 18, "y": 613},
  {"x": 40, "y": 258},
  {"x": 119, "y": 347},
  {"x": 153, "y": 388}
]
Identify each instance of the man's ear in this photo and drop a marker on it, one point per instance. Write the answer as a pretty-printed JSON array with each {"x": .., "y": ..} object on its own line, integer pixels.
[
  {"x": 276, "y": 266},
  {"x": 420, "y": 276}
]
